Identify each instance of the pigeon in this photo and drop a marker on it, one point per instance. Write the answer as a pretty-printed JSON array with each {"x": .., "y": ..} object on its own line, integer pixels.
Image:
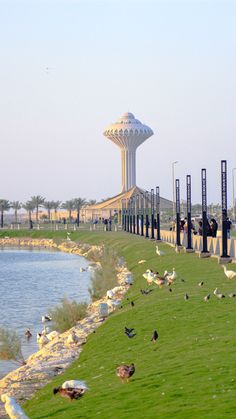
[
  {"x": 128, "y": 330},
  {"x": 130, "y": 335},
  {"x": 200, "y": 284},
  {"x": 132, "y": 304},
  {"x": 207, "y": 297},
  {"x": 154, "y": 336},
  {"x": 186, "y": 297},
  {"x": 146, "y": 292}
]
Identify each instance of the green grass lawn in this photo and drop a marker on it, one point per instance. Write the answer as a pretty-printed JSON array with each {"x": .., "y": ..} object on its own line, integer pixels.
[{"x": 188, "y": 373}]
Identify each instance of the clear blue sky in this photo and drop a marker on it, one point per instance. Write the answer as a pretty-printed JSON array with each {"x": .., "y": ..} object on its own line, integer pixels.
[{"x": 69, "y": 68}]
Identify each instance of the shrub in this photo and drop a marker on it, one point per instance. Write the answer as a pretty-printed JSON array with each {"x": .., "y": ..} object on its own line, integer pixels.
[
  {"x": 67, "y": 314},
  {"x": 105, "y": 277},
  {"x": 10, "y": 346}
]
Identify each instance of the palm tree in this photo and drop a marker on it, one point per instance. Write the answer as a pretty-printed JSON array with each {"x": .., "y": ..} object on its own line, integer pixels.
[
  {"x": 4, "y": 206},
  {"x": 49, "y": 205},
  {"x": 29, "y": 207},
  {"x": 92, "y": 202},
  {"x": 78, "y": 204},
  {"x": 69, "y": 206},
  {"x": 16, "y": 205},
  {"x": 55, "y": 206},
  {"x": 37, "y": 201}
]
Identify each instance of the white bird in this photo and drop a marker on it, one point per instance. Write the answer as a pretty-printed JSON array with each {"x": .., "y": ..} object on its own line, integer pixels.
[
  {"x": 52, "y": 335},
  {"x": 73, "y": 338},
  {"x": 82, "y": 269},
  {"x": 129, "y": 279},
  {"x": 110, "y": 294},
  {"x": 13, "y": 410},
  {"x": 177, "y": 249},
  {"x": 142, "y": 261},
  {"x": 46, "y": 318},
  {"x": 149, "y": 276},
  {"x": 113, "y": 304},
  {"x": 159, "y": 252},
  {"x": 41, "y": 339},
  {"x": 220, "y": 295},
  {"x": 68, "y": 237},
  {"x": 216, "y": 291},
  {"x": 229, "y": 274},
  {"x": 75, "y": 384},
  {"x": 207, "y": 297},
  {"x": 172, "y": 276}
]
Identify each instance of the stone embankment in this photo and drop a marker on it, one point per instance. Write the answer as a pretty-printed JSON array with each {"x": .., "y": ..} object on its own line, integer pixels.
[{"x": 57, "y": 355}]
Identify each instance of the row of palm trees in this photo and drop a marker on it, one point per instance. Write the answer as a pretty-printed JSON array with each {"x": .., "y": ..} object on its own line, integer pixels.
[{"x": 38, "y": 201}]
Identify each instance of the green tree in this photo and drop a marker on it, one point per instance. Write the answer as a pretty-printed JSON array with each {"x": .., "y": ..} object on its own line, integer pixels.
[
  {"x": 49, "y": 205},
  {"x": 29, "y": 207},
  {"x": 4, "y": 206},
  {"x": 37, "y": 201},
  {"x": 68, "y": 206},
  {"x": 78, "y": 203},
  {"x": 16, "y": 205}
]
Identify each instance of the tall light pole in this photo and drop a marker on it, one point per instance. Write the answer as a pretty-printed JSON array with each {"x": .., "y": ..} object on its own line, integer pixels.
[
  {"x": 233, "y": 193},
  {"x": 173, "y": 185}
]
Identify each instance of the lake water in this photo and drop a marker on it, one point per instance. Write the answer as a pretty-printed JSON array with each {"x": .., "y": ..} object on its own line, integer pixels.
[{"x": 32, "y": 282}]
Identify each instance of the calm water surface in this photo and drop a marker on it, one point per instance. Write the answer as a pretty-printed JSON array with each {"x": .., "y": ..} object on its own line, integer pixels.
[{"x": 31, "y": 282}]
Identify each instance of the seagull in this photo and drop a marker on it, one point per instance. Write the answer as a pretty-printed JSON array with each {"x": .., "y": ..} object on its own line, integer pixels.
[
  {"x": 46, "y": 318},
  {"x": 232, "y": 295},
  {"x": 229, "y": 274},
  {"x": 216, "y": 291},
  {"x": 201, "y": 284},
  {"x": 186, "y": 297},
  {"x": 207, "y": 297},
  {"x": 159, "y": 252},
  {"x": 171, "y": 276},
  {"x": 154, "y": 336},
  {"x": 142, "y": 261},
  {"x": 73, "y": 338},
  {"x": 220, "y": 295}
]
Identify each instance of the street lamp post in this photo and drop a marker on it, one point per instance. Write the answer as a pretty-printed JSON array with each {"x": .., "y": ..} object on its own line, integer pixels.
[
  {"x": 233, "y": 193},
  {"x": 173, "y": 186}
]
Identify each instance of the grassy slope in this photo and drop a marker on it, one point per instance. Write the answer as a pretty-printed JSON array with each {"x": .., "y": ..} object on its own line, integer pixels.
[{"x": 188, "y": 373}]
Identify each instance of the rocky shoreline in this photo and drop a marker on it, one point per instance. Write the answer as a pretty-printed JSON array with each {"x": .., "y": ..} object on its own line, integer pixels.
[{"x": 57, "y": 355}]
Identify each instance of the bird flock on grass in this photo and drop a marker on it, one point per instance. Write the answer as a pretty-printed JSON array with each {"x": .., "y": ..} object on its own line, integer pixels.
[{"x": 75, "y": 389}]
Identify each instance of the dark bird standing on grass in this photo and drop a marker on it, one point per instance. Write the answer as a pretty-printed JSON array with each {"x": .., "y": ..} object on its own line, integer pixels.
[
  {"x": 129, "y": 330},
  {"x": 125, "y": 372},
  {"x": 186, "y": 297},
  {"x": 154, "y": 336},
  {"x": 132, "y": 304},
  {"x": 146, "y": 292},
  {"x": 129, "y": 334}
]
